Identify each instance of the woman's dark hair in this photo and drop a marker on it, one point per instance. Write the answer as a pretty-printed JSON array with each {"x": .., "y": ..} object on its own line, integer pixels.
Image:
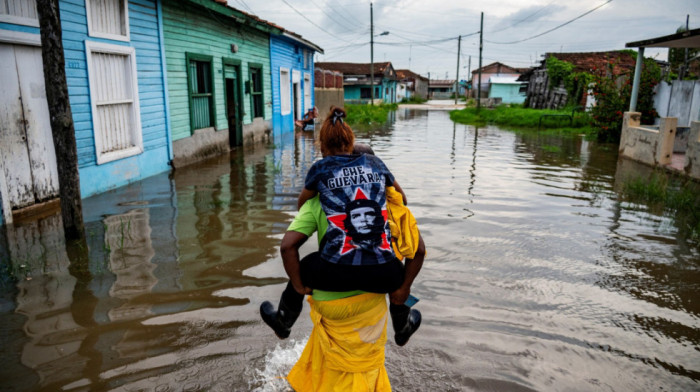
[{"x": 336, "y": 136}]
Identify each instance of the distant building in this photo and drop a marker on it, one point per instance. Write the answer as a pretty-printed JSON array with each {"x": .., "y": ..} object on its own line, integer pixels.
[
  {"x": 357, "y": 81},
  {"x": 488, "y": 71},
  {"x": 441, "y": 88},
  {"x": 416, "y": 85},
  {"x": 507, "y": 88}
]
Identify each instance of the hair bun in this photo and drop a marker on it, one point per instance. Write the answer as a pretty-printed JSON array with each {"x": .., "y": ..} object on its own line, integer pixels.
[{"x": 338, "y": 114}]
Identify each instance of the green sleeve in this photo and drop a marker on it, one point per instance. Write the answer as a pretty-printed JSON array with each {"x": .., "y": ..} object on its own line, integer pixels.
[{"x": 310, "y": 219}]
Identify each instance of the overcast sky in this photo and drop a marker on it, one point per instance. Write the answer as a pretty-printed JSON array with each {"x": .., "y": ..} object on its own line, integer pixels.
[{"x": 423, "y": 33}]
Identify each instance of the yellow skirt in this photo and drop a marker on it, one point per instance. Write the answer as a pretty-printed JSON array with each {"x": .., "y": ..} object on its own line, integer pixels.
[{"x": 345, "y": 352}]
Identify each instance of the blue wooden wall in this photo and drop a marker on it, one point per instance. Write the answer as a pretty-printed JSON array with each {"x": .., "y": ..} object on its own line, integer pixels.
[
  {"x": 283, "y": 55},
  {"x": 144, "y": 37}
]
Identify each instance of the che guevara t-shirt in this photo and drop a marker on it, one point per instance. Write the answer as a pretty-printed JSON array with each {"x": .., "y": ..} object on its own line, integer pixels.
[{"x": 352, "y": 191}]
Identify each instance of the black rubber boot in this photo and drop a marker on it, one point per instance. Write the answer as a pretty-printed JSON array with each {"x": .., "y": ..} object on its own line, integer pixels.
[
  {"x": 406, "y": 322},
  {"x": 281, "y": 321}
]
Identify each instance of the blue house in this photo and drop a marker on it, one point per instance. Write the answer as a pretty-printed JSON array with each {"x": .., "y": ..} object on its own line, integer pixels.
[
  {"x": 115, "y": 74},
  {"x": 291, "y": 62},
  {"x": 507, "y": 88},
  {"x": 357, "y": 81}
]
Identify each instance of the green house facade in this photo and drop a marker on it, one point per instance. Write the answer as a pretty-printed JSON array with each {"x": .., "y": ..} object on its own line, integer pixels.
[{"x": 218, "y": 76}]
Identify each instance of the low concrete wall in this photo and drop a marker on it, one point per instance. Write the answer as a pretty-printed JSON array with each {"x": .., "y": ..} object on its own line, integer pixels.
[
  {"x": 645, "y": 144},
  {"x": 327, "y": 97},
  {"x": 259, "y": 131},
  {"x": 204, "y": 143},
  {"x": 209, "y": 142},
  {"x": 692, "y": 152}
]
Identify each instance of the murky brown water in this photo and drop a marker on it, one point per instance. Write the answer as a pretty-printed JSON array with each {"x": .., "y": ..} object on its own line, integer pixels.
[{"x": 537, "y": 277}]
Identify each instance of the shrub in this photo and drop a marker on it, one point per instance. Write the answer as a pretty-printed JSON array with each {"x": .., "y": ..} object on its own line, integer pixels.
[
  {"x": 613, "y": 100},
  {"x": 369, "y": 114}
]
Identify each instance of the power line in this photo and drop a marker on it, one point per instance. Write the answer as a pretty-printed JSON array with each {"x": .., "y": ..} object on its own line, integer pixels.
[
  {"x": 424, "y": 43},
  {"x": 524, "y": 19},
  {"x": 246, "y": 6},
  {"x": 333, "y": 17},
  {"x": 312, "y": 22},
  {"x": 349, "y": 13},
  {"x": 550, "y": 30}
]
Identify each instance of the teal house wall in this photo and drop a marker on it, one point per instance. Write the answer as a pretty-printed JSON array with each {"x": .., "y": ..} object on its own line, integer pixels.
[
  {"x": 234, "y": 45},
  {"x": 508, "y": 92}
]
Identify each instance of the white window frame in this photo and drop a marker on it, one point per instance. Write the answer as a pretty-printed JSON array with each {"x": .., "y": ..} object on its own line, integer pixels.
[
  {"x": 20, "y": 20},
  {"x": 17, "y": 37},
  {"x": 307, "y": 92},
  {"x": 285, "y": 92},
  {"x": 90, "y": 47},
  {"x": 115, "y": 37}
]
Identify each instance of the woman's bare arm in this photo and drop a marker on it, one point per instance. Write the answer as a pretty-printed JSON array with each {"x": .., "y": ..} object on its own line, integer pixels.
[{"x": 305, "y": 195}]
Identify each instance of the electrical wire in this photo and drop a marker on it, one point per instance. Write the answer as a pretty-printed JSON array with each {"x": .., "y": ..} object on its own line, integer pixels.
[
  {"x": 312, "y": 22},
  {"x": 246, "y": 6},
  {"x": 333, "y": 18},
  {"x": 524, "y": 19},
  {"x": 348, "y": 13},
  {"x": 550, "y": 30}
]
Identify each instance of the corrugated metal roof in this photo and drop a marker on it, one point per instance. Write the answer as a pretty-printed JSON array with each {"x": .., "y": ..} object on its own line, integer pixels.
[
  {"x": 504, "y": 80},
  {"x": 354, "y": 68},
  {"x": 407, "y": 73},
  {"x": 439, "y": 82},
  {"x": 588, "y": 61},
  {"x": 684, "y": 39}
]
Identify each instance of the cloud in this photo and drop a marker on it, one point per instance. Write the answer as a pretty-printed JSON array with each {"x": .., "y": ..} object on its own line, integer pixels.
[
  {"x": 343, "y": 28},
  {"x": 526, "y": 16}
]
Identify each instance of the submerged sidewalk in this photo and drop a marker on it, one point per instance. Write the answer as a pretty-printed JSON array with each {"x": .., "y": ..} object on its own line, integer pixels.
[{"x": 435, "y": 105}]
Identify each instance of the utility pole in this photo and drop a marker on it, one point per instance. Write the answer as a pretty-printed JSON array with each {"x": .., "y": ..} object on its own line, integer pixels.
[
  {"x": 685, "y": 62},
  {"x": 62, "y": 127},
  {"x": 459, "y": 47},
  {"x": 371, "y": 49},
  {"x": 481, "y": 47},
  {"x": 469, "y": 74}
]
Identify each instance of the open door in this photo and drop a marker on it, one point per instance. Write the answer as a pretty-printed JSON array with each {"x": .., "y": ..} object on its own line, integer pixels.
[{"x": 233, "y": 104}]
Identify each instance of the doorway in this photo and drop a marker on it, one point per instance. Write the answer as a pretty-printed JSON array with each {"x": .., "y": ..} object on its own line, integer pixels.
[
  {"x": 296, "y": 91},
  {"x": 233, "y": 104},
  {"x": 29, "y": 169}
]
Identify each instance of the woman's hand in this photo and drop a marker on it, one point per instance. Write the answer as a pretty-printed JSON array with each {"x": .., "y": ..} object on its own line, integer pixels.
[
  {"x": 301, "y": 289},
  {"x": 399, "y": 296}
]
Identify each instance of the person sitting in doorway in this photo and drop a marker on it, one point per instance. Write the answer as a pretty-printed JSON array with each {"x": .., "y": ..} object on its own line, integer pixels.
[{"x": 308, "y": 119}]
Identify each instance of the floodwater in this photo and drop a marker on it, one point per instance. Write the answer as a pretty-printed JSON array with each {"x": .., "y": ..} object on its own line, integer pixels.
[{"x": 537, "y": 277}]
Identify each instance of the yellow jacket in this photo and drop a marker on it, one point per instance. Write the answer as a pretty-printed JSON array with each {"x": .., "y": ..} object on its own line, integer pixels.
[
  {"x": 404, "y": 230},
  {"x": 345, "y": 352}
]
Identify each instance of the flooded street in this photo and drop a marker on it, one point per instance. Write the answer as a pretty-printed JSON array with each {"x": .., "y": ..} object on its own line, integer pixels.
[{"x": 537, "y": 278}]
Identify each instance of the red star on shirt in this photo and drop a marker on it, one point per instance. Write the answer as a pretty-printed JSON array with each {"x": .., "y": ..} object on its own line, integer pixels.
[{"x": 338, "y": 220}]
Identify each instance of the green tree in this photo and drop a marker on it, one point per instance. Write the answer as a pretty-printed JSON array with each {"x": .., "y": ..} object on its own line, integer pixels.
[
  {"x": 612, "y": 94},
  {"x": 676, "y": 58}
]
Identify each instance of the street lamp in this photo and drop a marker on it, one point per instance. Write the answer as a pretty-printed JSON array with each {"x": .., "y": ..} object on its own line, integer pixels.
[{"x": 371, "y": 67}]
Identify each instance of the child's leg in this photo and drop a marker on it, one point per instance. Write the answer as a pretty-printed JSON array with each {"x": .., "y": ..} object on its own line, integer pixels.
[
  {"x": 405, "y": 320},
  {"x": 291, "y": 302}
]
